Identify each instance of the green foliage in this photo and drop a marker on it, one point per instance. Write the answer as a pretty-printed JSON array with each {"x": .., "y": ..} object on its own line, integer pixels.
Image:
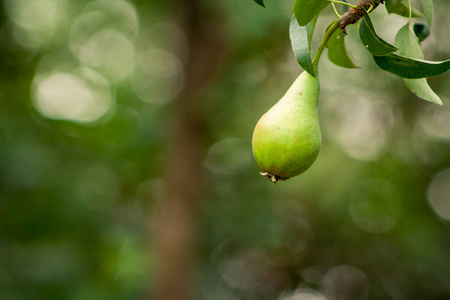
[
  {"x": 400, "y": 7},
  {"x": 408, "y": 45},
  {"x": 375, "y": 44},
  {"x": 303, "y": 24},
  {"x": 260, "y": 2},
  {"x": 408, "y": 65},
  {"x": 407, "y": 62},
  {"x": 306, "y": 10},
  {"x": 78, "y": 201},
  {"x": 338, "y": 52},
  {"x": 428, "y": 10},
  {"x": 301, "y": 37},
  {"x": 411, "y": 68},
  {"x": 422, "y": 31}
]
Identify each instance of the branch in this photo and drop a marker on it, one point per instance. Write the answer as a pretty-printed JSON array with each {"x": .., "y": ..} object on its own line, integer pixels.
[
  {"x": 350, "y": 17},
  {"x": 354, "y": 14}
]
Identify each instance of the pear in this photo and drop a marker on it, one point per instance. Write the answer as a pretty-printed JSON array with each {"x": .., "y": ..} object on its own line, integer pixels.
[{"x": 286, "y": 140}]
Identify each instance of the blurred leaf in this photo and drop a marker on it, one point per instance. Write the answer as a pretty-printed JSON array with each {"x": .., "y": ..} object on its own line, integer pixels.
[
  {"x": 421, "y": 30},
  {"x": 422, "y": 89},
  {"x": 306, "y": 10},
  {"x": 407, "y": 43},
  {"x": 409, "y": 46},
  {"x": 310, "y": 27},
  {"x": 260, "y": 2},
  {"x": 428, "y": 10},
  {"x": 345, "y": 8},
  {"x": 370, "y": 39},
  {"x": 400, "y": 7},
  {"x": 338, "y": 53},
  {"x": 410, "y": 67},
  {"x": 301, "y": 43}
]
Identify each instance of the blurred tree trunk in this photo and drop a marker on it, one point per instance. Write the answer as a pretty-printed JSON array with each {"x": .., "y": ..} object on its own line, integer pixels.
[{"x": 184, "y": 180}]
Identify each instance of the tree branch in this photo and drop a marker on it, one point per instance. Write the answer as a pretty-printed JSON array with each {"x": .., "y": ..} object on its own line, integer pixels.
[{"x": 354, "y": 14}]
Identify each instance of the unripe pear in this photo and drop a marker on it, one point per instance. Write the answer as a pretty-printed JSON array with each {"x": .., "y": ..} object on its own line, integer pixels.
[{"x": 286, "y": 140}]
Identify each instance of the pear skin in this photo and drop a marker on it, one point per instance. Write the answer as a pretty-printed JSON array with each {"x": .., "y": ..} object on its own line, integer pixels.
[{"x": 286, "y": 140}]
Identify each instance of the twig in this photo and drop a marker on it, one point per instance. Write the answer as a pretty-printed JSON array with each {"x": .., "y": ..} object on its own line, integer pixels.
[
  {"x": 354, "y": 14},
  {"x": 350, "y": 17}
]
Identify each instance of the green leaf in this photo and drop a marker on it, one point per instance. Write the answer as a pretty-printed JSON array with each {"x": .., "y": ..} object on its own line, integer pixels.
[
  {"x": 400, "y": 7},
  {"x": 301, "y": 43},
  {"x": 421, "y": 30},
  {"x": 306, "y": 10},
  {"x": 428, "y": 10},
  {"x": 421, "y": 89},
  {"x": 310, "y": 29},
  {"x": 407, "y": 43},
  {"x": 260, "y": 2},
  {"x": 338, "y": 53},
  {"x": 409, "y": 46},
  {"x": 370, "y": 39},
  {"x": 410, "y": 67}
]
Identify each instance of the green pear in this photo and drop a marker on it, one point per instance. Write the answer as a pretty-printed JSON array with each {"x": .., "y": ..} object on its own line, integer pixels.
[{"x": 286, "y": 140}]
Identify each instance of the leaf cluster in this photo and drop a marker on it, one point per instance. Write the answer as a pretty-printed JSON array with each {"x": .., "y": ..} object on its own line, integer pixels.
[{"x": 404, "y": 59}]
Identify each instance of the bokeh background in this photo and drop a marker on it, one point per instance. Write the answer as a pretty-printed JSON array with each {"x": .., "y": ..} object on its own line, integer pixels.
[{"x": 126, "y": 169}]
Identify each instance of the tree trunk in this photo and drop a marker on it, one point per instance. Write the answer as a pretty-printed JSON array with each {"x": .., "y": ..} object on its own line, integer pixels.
[{"x": 184, "y": 180}]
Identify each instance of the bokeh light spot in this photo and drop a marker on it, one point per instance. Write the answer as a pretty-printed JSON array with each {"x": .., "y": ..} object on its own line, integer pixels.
[
  {"x": 246, "y": 271},
  {"x": 228, "y": 156},
  {"x": 156, "y": 90},
  {"x": 113, "y": 14},
  {"x": 303, "y": 294},
  {"x": 345, "y": 282},
  {"x": 36, "y": 21},
  {"x": 163, "y": 35},
  {"x": 102, "y": 38},
  {"x": 159, "y": 63},
  {"x": 110, "y": 51},
  {"x": 82, "y": 96},
  {"x": 434, "y": 122},
  {"x": 439, "y": 194},
  {"x": 118, "y": 14},
  {"x": 360, "y": 125}
]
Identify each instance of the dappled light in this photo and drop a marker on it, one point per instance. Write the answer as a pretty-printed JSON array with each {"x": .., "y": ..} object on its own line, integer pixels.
[
  {"x": 426, "y": 147},
  {"x": 360, "y": 123},
  {"x": 434, "y": 122},
  {"x": 228, "y": 156},
  {"x": 37, "y": 22},
  {"x": 82, "y": 96},
  {"x": 243, "y": 272},
  {"x": 303, "y": 294},
  {"x": 159, "y": 63},
  {"x": 159, "y": 74},
  {"x": 103, "y": 14},
  {"x": 102, "y": 34},
  {"x": 345, "y": 282},
  {"x": 127, "y": 169},
  {"x": 439, "y": 194},
  {"x": 102, "y": 51}
]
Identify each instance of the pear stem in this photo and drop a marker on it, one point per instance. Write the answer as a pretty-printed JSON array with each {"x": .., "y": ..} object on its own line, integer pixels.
[{"x": 323, "y": 43}]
